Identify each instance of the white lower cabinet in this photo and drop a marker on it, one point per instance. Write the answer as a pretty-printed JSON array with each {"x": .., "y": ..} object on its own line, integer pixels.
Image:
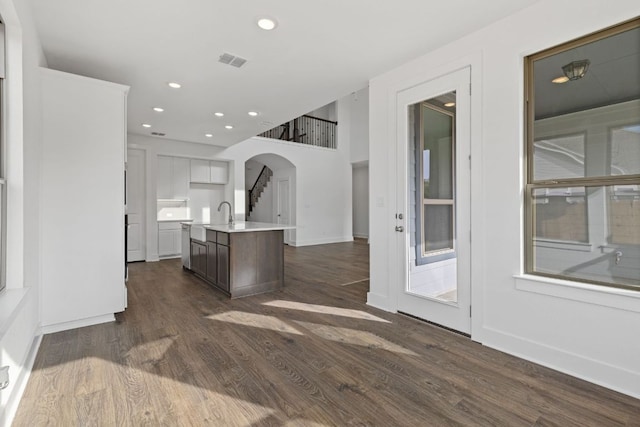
[{"x": 169, "y": 239}]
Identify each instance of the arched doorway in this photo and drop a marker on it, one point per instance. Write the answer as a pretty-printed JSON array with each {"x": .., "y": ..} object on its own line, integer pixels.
[{"x": 270, "y": 188}]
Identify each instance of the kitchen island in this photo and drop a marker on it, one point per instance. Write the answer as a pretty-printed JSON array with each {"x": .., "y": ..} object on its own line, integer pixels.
[{"x": 239, "y": 259}]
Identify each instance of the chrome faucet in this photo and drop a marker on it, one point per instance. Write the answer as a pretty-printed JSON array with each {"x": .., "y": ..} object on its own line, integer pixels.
[{"x": 230, "y": 211}]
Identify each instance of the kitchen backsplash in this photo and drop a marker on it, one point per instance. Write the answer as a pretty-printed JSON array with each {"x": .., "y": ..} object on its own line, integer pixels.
[
  {"x": 201, "y": 206},
  {"x": 173, "y": 209}
]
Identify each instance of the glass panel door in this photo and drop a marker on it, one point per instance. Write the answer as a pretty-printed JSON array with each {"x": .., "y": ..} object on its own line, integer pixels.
[{"x": 434, "y": 189}]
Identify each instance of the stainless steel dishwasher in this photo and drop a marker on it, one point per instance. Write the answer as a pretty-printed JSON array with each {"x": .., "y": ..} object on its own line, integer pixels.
[{"x": 186, "y": 246}]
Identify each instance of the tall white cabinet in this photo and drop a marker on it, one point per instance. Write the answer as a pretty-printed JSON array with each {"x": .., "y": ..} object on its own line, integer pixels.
[
  {"x": 83, "y": 162},
  {"x": 173, "y": 178}
]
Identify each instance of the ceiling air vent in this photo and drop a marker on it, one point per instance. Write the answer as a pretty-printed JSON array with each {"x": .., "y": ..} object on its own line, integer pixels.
[
  {"x": 229, "y": 59},
  {"x": 158, "y": 134}
]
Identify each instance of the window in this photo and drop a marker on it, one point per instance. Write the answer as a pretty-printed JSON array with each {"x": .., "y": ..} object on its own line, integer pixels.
[
  {"x": 433, "y": 133},
  {"x": 582, "y": 196}
]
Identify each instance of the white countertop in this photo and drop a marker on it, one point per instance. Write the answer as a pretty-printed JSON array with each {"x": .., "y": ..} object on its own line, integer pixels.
[
  {"x": 175, "y": 220},
  {"x": 245, "y": 226},
  {"x": 197, "y": 223}
]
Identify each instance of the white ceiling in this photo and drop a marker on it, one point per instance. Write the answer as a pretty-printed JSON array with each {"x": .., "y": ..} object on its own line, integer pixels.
[{"x": 321, "y": 51}]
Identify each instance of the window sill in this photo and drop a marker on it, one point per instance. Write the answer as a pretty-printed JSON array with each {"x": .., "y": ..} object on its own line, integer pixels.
[
  {"x": 10, "y": 302},
  {"x": 563, "y": 244},
  {"x": 622, "y": 299}
]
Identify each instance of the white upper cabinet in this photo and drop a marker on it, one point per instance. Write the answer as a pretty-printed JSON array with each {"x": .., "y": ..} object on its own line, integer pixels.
[
  {"x": 219, "y": 172},
  {"x": 209, "y": 172},
  {"x": 173, "y": 178},
  {"x": 165, "y": 177},
  {"x": 180, "y": 178},
  {"x": 200, "y": 171}
]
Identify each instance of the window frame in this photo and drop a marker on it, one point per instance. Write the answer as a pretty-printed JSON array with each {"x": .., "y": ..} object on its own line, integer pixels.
[
  {"x": 3, "y": 194},
  {"x": 422, "y": 257},
  {"x": 3, "y": 164},
  {"x": 529, "y": 139}
]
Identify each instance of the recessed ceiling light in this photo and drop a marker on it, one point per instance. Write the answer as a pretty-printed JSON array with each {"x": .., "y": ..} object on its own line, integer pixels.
[
  {"x": 146, "y": 125},
  {"x": 219, "y": 114},
  {"x": 267, "y": 24},
  {"x": 158, "y": 109},
  {"x": 450, "y": 104},
  {"x": 253, "y": 113},
  {"x": 208, "y": 135},
  {"x": 228, "y": 127},
  {"x": 175, "y": 85},
  {"x": 561, "y": 79}
]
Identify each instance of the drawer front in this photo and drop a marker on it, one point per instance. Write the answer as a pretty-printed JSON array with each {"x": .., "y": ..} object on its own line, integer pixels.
[
  {"x": 223, "y": 238},
  {"x": 211, "y": 236}
]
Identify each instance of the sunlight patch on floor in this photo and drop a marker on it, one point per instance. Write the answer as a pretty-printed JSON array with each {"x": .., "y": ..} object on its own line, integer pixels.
[
  {"x": 354, "y": 336},
  {"x": 325, "y": 309},
  {"x": 219, "y": 407},
  {"x": 255, "y": 320},
  {"x": 149, "y": 349}
]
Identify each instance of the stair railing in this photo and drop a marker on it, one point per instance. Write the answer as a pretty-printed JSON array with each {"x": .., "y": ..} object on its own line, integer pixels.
[
  {"x": 258, "y": 188},
  {"x": 306, "y": 130}
]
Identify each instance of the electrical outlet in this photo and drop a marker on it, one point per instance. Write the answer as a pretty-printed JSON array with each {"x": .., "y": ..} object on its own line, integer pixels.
[{"x": 4, "y": 377}]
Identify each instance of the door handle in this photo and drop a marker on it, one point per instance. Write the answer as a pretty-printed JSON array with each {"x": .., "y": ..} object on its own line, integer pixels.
[{"x": 399, "y": 228}]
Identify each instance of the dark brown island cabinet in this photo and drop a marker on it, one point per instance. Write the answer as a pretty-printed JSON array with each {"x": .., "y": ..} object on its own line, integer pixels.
[{"x": 240, "y": 264}]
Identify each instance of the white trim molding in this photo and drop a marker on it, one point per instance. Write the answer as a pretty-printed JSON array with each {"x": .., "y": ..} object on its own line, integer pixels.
[{"x": 622, "y": 299}]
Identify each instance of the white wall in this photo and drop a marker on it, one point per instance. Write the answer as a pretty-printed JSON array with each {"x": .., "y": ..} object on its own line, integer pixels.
[
  {"x": 580, "y": 329},
  {"x": 355, "y": 119},
  {"x": 19, "y": 303},
  {"x": 321, "y": 191},
  {"x": 327, "y": 112},
  {"x": 361, "y": 201},
  {"x": 358, "y": 104}
]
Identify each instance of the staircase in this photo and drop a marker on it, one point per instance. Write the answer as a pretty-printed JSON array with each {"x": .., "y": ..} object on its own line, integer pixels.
[
  {"x": 307, "y": 130},
  {"x": 258, "y": 187}
]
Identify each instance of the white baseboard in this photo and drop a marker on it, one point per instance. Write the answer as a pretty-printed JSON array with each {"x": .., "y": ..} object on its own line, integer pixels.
[
  {"x": 378, "y": 301},
  {"x": 593, "y": 371},
  {"x": 323, "y": 241},
  {"x": 64, "y": 326},
  {"x": 11, "y": 407},
  {"x": 361, "y": 236}
]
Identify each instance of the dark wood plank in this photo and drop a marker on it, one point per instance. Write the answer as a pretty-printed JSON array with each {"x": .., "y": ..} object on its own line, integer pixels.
[{"x": 311, "y": 353}]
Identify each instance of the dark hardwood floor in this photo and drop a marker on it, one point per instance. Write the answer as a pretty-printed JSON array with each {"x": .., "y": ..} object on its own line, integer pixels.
[{"x": 312, "y": 354}]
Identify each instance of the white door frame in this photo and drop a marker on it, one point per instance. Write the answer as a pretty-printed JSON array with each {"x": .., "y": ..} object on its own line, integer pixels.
[
  {"x": 287, "y": 237},
  {"x": 454, "y": 315},
  {"x": 133, "y": 153}
]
